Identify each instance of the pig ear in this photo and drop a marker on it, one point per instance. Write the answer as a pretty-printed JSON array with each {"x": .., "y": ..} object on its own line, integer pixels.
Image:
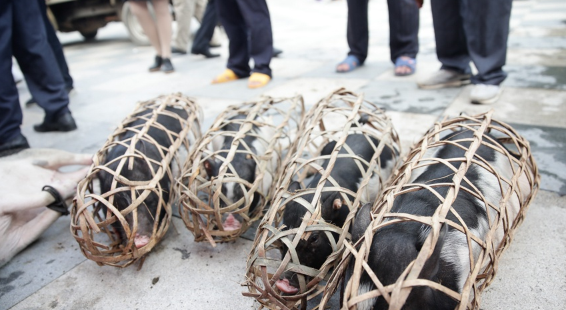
[
  {"x": 361, "y": 222},
  {"x": 328, "y": 148},
  {"x": 432, "y": 265},
  {"x": 294, "y": 186},
  {"x": 209, "y": 167}
]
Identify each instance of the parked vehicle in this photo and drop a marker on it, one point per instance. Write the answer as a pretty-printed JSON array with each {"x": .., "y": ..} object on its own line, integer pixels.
[{"x": 87, "y": 16}]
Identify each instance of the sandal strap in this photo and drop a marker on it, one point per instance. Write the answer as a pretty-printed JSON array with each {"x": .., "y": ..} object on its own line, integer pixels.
[{"x": 59, "y": 203}]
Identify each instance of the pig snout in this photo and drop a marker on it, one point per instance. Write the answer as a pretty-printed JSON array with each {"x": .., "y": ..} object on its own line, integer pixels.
[
  {"x": 285, "y": 286},
  {"x": 231, "y": 223},
  {"x": 141, "y": 240}
]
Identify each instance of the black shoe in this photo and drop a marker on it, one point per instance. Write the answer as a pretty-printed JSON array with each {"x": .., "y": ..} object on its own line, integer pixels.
[
  {"x": 276, "y": 52},
  {"x": 175, "y": 50},
  {"x": 157, "y": 64},
  {"x": 65, "y": 122},
  {"x": 214, "y": 45},
  {"x": 206, "y": 54},
  {"x": 13, "y": 146},
  {"x": 167, "y": 66}
]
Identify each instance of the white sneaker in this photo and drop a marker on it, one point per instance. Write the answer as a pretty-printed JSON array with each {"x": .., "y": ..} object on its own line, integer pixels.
[{"x": 485, "y": 94}]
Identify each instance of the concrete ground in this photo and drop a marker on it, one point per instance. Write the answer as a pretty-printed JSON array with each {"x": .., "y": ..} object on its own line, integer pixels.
[{"x": 111, "y": 76}]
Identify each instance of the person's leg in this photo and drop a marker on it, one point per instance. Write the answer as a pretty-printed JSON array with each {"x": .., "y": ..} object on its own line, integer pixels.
[
  {"x": 358, "y": 29},
  {"x": 451, "y": 45},
  {"x": 184, "y": 10},
  {"x": 164, "y": 27},
  {"x": 206, "y": 30},
  {"x": 235, "y": 26},
  {"x": 258, "y": 22},
  {"x": 487, "y": 29},
  {"x": 56, "y": 47},
  {"x": 403, "y": 33},
  {"x": 36, "y": 59},
  {"x": 139, "y": 8},
  {"x": 10, "y": 111},
  {"x": 200, "y": 6}
]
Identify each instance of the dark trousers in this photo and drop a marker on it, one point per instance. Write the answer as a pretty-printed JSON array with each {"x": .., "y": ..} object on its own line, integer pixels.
[
  {"x": 248, "y": 26},
  {"x": 206, "y": 31},
  {"x": 56, "y": 46},
  {"x": 22, "y": 34},
  {"x": 403, "y": 28},
  {"x": 473, "y": 30}
]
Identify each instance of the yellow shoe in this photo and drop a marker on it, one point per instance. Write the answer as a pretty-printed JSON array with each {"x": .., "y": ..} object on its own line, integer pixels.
[
  {"x": 258, "y": 80},
  {"x": 226, "y": 76}
]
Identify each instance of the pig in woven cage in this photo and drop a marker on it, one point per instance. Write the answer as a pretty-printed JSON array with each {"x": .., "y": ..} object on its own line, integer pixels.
[
  {"x": 434, "y": 238},
  {"x": 123, "y": 206},
  {"x": 345, "y": 153},
  {"x": 229, "y": 177}
]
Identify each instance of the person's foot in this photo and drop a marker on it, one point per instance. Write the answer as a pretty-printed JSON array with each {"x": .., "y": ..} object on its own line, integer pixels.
[
  {"x": 157, "y": 64},
  {"x": 257, "y": 80},
  {"x": 206, "y": 54},
  {"x": 64, "y": 123},
  {"x": 348, "y": 64},
  {"x": 14, "y": 145},
  {"x": 405, "y": 65},
  {"x": 167, "y": 66},
  {"x": 226, "y": 76},
  {"x": 444, "y": 78},
  {"x": 485, "y": 94},
  {"x": 176, "y": 50},
  {"x": 276, "y": 52}
]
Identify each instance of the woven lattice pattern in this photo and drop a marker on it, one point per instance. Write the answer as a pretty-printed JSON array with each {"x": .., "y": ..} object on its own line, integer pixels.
[
  {"x": 231, "y": 174},
  {"x": 139, "y": 162},
  {"x": 493, "y": 171},
  {"x": 332, "y": 134}
]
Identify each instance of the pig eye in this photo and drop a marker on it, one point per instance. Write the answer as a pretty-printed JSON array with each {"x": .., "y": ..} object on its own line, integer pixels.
[{"x": 314, "y": 238}]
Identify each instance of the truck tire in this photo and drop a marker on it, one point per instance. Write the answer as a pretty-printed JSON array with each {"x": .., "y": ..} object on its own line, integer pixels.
[
  {"x": 134, "y": 28},
  {"x": 90, "y": 35}
]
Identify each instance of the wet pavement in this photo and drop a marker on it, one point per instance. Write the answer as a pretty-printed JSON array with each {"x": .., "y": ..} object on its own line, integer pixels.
[{"x": 111, "y": 76}]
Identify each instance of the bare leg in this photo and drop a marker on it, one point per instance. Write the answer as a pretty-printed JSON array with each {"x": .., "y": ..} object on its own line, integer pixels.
[
  {"x": 139, "y": 8},
  {"x": 163, "y": 22}
]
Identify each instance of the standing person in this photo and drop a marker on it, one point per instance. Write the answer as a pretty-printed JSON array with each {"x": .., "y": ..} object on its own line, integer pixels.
[
  {"x": 158, "y": 31},
  {"x": 201, "y": 43},
  {"x": 248, "y": 26},
  {"x": 184, "y": 12},
  {"x": 403, "y": 35},
  {"x": 22, "y": 34},
  {"x": 471, "y": 30},
  {"x": 57, "y": 50}
]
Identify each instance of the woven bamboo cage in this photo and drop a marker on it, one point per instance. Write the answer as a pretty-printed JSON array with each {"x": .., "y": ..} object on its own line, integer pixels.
[
  {"x": 250, "y": 136},
  {"x": 340, "y": 115},
  {"x": 516, "y": 179},
  {"x": 104, "y": 226}
]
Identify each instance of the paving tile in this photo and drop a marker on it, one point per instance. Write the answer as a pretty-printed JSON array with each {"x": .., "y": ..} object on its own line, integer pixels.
[
  {"x": 536, "y": 77},
  {"x": 533, "y": 261},
  {"x": 549, "y": 149},
  {"x": 539, "y": 32},
  {"x": 410, "y": 127},
  {"x": 314, "y": 89},
  {"x": 536, "y": 42},
  {"x": 518, "y": 105},
  {"x": 540, "y": 57},
  {"x": 406, "y": 97},
  {"x": 177, "y": 274},
  {"x": 369, "y": 70}
]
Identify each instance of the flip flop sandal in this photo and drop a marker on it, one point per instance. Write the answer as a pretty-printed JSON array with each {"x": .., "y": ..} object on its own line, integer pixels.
[
  {"x": 408, "y": 62},
  {"x": 352, "y": 61},
  {"x": 59, "y": 203},
  {"x": 226, "y": 76},
  {"x": 258, "y": 80}
]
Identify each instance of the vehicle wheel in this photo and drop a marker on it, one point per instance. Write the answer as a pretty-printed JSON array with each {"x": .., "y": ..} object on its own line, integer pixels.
[
  {"x": 90, "y": 35},
  {"x": 134, "y": 28}
]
